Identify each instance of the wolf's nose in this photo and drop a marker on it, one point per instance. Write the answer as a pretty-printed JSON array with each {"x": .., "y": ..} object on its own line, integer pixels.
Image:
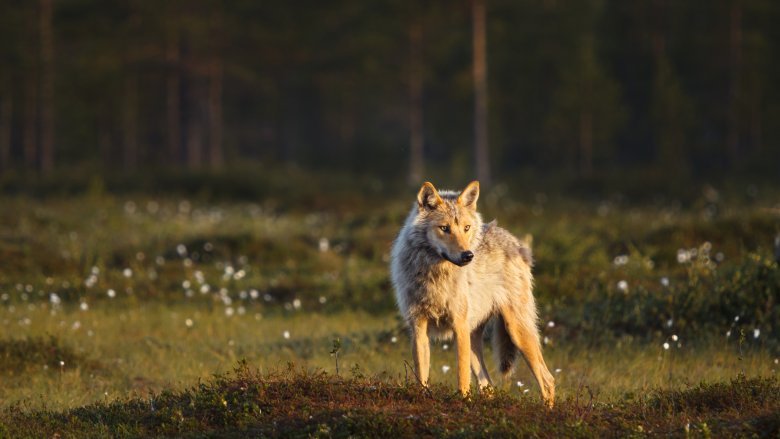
[{"x": 467, "y": 256}]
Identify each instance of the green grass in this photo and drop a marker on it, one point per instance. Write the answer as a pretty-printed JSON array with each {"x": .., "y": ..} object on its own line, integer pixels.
[
  {"x": 112, "y": 352},
  {"x": 108, "y": 303}
]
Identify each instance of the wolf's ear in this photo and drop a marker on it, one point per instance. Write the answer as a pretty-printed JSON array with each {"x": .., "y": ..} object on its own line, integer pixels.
[
  {"x": 469, "y": 196},
  {"x": 428, "y": 197}
]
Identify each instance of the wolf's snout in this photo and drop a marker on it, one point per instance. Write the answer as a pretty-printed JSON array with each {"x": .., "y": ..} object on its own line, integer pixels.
[{"x": 467, "y": 256}]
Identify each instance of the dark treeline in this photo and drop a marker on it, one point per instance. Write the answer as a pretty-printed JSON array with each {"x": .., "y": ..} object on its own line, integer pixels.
[{"x": 585, "y": 86}]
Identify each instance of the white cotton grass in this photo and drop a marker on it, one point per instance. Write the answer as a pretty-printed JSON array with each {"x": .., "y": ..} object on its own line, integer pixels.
[
  {"x": 620, "y": 260},
  {"x": 445, "y": 368},
  {"x": 622, "y": 285}
]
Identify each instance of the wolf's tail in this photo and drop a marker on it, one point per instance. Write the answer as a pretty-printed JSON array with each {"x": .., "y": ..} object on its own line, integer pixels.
[{"x": 506, "y": 352}]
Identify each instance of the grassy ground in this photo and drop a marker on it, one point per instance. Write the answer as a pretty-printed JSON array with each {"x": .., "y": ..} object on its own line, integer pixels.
[
  {"x": 105, "y": 302},
  {"x": 298, "y": 404}
]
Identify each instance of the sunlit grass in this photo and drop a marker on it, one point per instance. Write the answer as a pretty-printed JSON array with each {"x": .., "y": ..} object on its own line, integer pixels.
[{"x": 135, "y": 350}]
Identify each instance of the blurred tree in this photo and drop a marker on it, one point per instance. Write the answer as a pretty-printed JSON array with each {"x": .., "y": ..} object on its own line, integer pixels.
[
  {"x": 735, "y": 82},
  {"x": 480, "y": 91},
  {"x": 757, "y": 62},
  {"x": 172, "y": 81},
  {"x": 6, "y": 112},
  {"x": 673, "y": 115},
  {"x": 133, "y": 55},
  {"x": 30, "y": 68},
  {"x": 7, "y": 60},
  {"x": 672, "y": 110},
  {"x": 416, "y": 135},
  {"x": 215, "y": 78},
  {"x": 47, "y": 84},
  {"x": 586, "y": 110},
  {"x": 671, "y": 85}
]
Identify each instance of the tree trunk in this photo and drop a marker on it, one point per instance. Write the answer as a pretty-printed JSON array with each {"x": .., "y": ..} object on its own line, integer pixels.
[
  {"x": 6, "y": 108},
  {"x": 586, "y": 142},
  {"x": 658, "y": 32},
  {"x": 735, "y": 73},
  {"x": 30, "y": 133},
  {"x": 216, "y": 155},
  {"x": 130, "y": 122},
  {"x": 47, "y": 86},
  {"x": 756, "y": 131},
  {"x": 194, "y": 144},
  {"x": 194, "y": 128},
  {"x": 173, "y": 97},
  {"x": 104, "y": 140},
  {"x": 480, "y": 92},
  {"x": 416, "y": 137}
]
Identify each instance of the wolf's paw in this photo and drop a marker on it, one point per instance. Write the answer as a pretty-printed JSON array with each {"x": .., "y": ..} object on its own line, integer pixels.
[{"x": 488, "y": 391}]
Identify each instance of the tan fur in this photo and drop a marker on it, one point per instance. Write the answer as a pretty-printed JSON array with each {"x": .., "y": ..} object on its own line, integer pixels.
[{"x": 441, "y": 292}]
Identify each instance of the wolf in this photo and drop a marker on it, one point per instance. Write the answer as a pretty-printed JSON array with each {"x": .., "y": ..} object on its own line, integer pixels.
[{"x": 453, "y": 275}]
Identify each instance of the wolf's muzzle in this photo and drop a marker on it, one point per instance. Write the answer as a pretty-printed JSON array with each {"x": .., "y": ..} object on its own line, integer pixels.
[{"x": 464, "y": 259}]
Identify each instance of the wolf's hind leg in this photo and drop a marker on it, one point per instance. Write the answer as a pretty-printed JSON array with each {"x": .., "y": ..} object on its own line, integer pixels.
[
  {"x": 477, "y": 361},
  {"x": 421, "y": 349},
  {"x": 522, "y": 329}
]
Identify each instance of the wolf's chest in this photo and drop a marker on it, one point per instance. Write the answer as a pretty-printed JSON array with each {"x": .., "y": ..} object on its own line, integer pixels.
[{"x": 441, "y": 295}]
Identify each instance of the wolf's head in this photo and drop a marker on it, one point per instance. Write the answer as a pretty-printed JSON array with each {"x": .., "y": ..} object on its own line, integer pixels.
[{"x": 450, "y": 221}]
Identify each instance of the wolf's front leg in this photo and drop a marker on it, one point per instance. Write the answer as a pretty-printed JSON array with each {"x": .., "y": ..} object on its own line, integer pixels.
[
  {"x": 421, "y": 350},
  {"x": 463, "y": 340}
]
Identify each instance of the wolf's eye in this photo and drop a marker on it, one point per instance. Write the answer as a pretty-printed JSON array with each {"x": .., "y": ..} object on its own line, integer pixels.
[
  {"x": 445, "y": 229},
  {"x": 466, "y": 229}
]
